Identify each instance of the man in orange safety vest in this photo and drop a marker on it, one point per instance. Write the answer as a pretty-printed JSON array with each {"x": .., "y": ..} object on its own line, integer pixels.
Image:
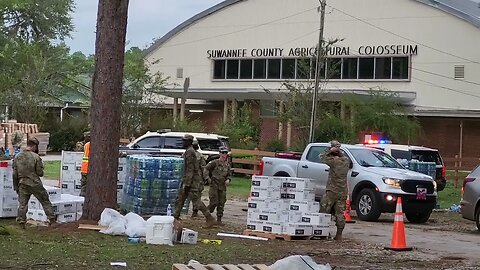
[{"x": 86, "y": 155}]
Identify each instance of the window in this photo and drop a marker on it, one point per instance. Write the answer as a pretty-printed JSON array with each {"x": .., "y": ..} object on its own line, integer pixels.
[
  {"x": 400, "y": 68},
  {"x": 334, "y": 68},
  {"x": 401, "y": 154},
  {"x": 383, "y": 68},
  {"x": 232, "y": 69},
  {"x": 314, "y": 153},
  {"x": 219, "y": 69},
  {"x": 209, "y": 144},
  {"x": 303, "y": 68},
  {"x": 149, "y": 142},
  {"x": 267, "y": 108},
  {"x": 365, "y": 68},
  {"x": 246, "y": 69},
  {"x": 274, "y": 68},
  {"x": 173, "y": 143},
  {"x": 349, "y": 68},
  {"x": 259, "y": 69},
  {"x": 288, "y": 69}
]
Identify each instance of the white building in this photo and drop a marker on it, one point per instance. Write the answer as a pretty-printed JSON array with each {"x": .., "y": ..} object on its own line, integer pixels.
[{"x": 426, "y": 51}]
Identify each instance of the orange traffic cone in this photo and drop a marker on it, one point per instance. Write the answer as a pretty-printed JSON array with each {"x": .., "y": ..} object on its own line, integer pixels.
[
  {"x": 399, "y": 242},
  {"x": 346, "y": 213}
]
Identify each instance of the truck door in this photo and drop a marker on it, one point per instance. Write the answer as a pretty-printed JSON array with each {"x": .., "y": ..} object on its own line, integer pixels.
[{"x": 312, "y": 168}]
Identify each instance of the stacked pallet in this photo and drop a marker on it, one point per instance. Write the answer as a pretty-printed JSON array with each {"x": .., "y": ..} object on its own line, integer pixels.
[{"x": 27, "y": 131}]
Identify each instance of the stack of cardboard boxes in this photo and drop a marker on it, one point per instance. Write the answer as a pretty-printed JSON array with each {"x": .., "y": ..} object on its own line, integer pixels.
[
  {"x": 70, "y": 176},
  {"x": 7, "y": 132},
  {"x": 286, "y": 205},
  {"x": 8, "y": 196},
  {"x": 67, "y": 208}
]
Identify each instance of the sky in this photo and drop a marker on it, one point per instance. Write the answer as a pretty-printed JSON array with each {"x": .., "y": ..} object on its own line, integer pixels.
[{"x": 147, "y": 21}]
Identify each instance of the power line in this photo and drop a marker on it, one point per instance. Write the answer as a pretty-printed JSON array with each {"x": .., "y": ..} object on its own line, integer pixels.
[
  {"x": 242, "y": 30},
  {"x": 411, "y": 40},
  {"x": 443, "y": 76},
  {"x": 447, "y": 88}
]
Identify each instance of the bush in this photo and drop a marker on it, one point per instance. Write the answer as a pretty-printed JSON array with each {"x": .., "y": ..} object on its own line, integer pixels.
[
  {"x": 276, "y": 145},
  {"x": 64, "y": 135},
  {"x": 243, "y": 131}
]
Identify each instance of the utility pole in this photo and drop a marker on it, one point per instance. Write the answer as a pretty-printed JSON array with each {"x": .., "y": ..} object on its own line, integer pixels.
[{"x": 318, "y": 68}]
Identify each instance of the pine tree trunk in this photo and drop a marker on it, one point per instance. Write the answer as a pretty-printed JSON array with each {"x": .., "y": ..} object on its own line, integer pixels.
[{"x": 105, "y": 110}]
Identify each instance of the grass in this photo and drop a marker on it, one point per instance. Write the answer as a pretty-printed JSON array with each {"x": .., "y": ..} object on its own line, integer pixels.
[
  {"x": 52, "y": 170},
  {"x": 239, "y": 187},
  {"x": 43, "y": 248},
  {"x": 451, "y": 194}
]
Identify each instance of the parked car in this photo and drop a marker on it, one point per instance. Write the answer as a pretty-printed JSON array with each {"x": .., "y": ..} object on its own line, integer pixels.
[
  {"x": 470, "y": 203},
  {"x": 170, "y": 143},
  {"x": 375, "y": 181},
  {"x": 420, "y": 153}
]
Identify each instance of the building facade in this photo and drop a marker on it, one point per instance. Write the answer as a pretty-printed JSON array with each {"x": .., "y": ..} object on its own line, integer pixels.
[{"x": 425, "y": 51}]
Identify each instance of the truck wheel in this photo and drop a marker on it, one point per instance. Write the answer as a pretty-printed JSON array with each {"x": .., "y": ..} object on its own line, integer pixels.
[
  {"x": 418, "y": 217},
  {"x": 367, "y": 206}
]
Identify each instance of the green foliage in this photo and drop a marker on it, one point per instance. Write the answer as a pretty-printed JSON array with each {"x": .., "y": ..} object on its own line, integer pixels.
[
  {"x": 380, "y": 111},
  {"x": 64, "y": 135},
  {"x": 276, "y": 145},
  {"x": 243, "y": 131},
  {"x": 332, "y": 127},
  {"x": 189, "y": 125},
  {"x": 32, "y": 21},
  {"x": 141, "y": 92}
]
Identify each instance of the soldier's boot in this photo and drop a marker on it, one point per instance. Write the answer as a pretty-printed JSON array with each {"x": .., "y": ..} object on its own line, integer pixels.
[
  {"x": 195, "y": 213},
  {"x": 219, "y": 221},
  {"x": 210, "y": 208},
  {"x": 210, "y": 221},
  {"x": 338, "y": 236}
]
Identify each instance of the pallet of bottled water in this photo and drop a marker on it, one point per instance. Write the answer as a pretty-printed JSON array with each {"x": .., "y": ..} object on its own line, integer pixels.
[{"x": 152, "y": 184}]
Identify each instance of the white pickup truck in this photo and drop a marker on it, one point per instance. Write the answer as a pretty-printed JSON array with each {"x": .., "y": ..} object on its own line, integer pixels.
[{"x": 375, "y": 181}]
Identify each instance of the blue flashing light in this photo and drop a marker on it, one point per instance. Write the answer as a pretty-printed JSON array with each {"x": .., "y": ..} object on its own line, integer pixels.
[{"x": 383, "y": 142}]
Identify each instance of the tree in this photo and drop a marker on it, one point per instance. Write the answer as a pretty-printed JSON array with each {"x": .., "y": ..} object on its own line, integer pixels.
[
  {"x": 243, "y": 130},
  {"x": 141, "y": 92},
  {"x": 106, "y": 107}
]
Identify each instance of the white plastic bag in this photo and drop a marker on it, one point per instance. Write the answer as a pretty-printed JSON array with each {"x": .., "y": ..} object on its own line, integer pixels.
[
  {"x": 298, "y": 262},
  {"x": 114, "y": 221},
  {"x": 136, "y": 225}
]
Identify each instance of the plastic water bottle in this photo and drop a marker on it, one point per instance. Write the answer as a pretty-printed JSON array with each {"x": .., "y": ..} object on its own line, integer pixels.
[
  {"x": 7, "y": 152},
  {"x": 169, "y": 210}
]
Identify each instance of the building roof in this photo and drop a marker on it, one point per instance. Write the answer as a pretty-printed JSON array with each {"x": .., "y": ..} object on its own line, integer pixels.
[{"x": 467, "y": 10}]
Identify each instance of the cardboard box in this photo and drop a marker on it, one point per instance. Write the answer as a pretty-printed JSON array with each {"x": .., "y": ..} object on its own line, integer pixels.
[
  {"x": 265, "y": 193},
  {"x": 298, "y": 194},
  {"x": 266, "y": 181},
  {"x": 66, "y": 218},
  {"x": 321, "y": 230},
  {"x": 271, "y": 216},
  {"x": 298, "y": 229},
  {"x": 255, "y": 225},
  {"x": 10, "y": 201},
  {"x": 267, "y": 204},
  {"x": 189, "y": 237},
  {"x": 79, "y": 215},
  {"x": 54, "y": 193},
  {"x": 31, "y": 214},
  {"x": 298, "y": 183},
  {"x": 273, "y": 227},
  {"x": 304, "y": 206},
  {"x": 8, "y": 211},
  {"x": 40, "y": 216},
  {"x": 294, "y": 217},
  {"x": 316, "y": 218}
]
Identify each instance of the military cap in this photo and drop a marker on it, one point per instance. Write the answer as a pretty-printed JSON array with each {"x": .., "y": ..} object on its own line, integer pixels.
[
  {"x": 188, "y": 137},
  {"x": 34, "y": 141},
  {"x": 223, "y": 149},
  {"x": 335, "y": 143}
]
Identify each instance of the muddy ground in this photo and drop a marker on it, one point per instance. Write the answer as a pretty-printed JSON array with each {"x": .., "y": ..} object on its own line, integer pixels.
[{"x": 446, "y": 241}]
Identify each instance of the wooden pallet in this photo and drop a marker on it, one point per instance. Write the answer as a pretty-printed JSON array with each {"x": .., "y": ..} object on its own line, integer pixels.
[
  {"x": 273, "y": 236},
  {"x": 221, "y": 267}
]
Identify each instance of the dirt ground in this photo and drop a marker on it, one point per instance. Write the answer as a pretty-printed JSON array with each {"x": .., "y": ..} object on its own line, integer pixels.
[{"x": 446, "y": 241}]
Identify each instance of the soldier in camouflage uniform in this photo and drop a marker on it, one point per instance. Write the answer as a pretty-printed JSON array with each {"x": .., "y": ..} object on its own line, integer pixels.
[
  {"x": 334, "y": 200},
  {"x": 191, "y": 182},
  {"x": 27, "y": 170},
  {"x": 202, "y": 166},
  {"x": 219, "y": 169}
]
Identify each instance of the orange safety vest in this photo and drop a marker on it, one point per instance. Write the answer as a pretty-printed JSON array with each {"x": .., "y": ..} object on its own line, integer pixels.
[{"x": 86, "y": 154}]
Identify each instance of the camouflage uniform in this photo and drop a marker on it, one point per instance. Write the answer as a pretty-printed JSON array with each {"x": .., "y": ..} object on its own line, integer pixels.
[
  {"x": 27, "y": 170},
  {"x": 201, "y": 160},
  {"x": 191, "y": 183},
  {"x": 334, "y": 200},
  {"x": 220, "y": 173}
]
